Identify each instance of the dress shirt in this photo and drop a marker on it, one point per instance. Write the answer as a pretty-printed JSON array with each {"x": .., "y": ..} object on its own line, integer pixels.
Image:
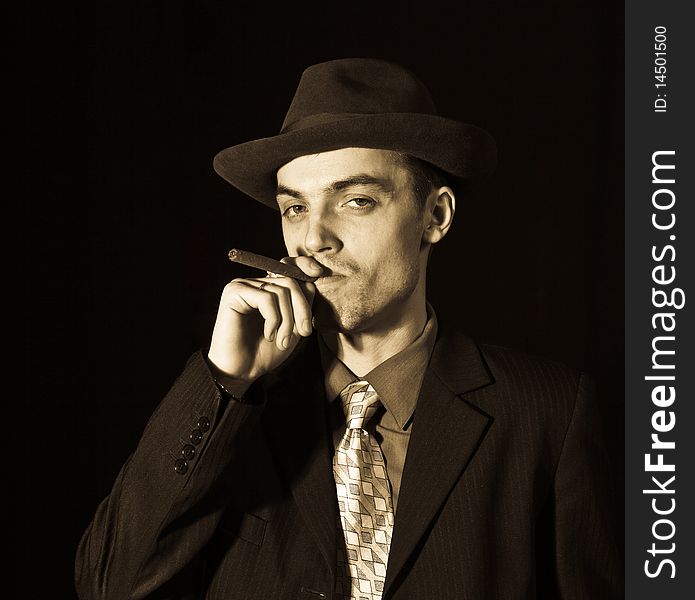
[{"x": 397, "y": 381}]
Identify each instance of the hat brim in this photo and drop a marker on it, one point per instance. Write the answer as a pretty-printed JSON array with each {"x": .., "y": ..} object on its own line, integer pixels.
[{"x": 462, "y": 150}]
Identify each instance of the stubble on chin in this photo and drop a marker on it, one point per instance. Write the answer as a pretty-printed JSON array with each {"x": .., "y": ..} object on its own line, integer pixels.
[
  {"x": 347, "y": 315},
  {"x": 354, "y": 310}
]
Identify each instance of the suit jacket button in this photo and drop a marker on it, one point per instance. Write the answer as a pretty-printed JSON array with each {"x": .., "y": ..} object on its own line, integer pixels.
[
  {"x": 203, "y": 424},
  {"x": 196, "y": 437},
  {"x": 188, "y": 452},
  {"x": 180, "y": 466}
]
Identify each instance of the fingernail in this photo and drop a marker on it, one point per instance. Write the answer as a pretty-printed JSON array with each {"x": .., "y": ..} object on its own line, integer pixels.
[
  {"x": 306, "y": 326},
  {"x": 286, "y": 342},
  {"x": 271, "y": 337}
]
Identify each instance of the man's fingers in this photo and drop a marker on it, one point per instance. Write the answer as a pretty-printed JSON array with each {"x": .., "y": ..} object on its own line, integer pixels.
[
  {"x": 264, "y": 302},
  {"x": 301, "y": 296},
  {"x": 284, "y": 303},
  {"x": 294, "y": 308}
]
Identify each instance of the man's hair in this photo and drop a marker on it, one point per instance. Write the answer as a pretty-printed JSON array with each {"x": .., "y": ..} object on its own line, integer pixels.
[{"x": 424, "y": 176}]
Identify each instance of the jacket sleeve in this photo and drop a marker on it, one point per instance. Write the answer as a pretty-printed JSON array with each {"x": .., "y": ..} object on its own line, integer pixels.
[
  {"x": 586, "y": 495},
  {"x": 147, "y": 533}
]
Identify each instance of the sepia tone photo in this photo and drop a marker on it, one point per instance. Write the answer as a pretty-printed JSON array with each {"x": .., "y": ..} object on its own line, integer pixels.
[{"x": 337, "y": 303}]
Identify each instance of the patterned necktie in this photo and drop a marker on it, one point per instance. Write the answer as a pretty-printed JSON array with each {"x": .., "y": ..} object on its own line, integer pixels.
[{"x": 364, "y": 500}]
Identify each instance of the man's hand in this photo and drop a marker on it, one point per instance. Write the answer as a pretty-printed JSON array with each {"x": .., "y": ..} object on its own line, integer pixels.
[{"x": 260, "y": 321}]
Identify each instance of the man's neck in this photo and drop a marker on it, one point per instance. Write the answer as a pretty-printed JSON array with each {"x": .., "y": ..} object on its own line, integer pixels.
[{"x": 363, "y": 351}]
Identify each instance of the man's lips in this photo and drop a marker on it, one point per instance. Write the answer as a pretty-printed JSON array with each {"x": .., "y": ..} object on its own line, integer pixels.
[
  {"x": 329, "y": 278},
  {"x": 329, "y": 282},
  {"x": 329, "y": 272}
]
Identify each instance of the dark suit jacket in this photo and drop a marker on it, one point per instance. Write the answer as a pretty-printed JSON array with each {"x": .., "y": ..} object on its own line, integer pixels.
[{"x": 504, "y": 492}]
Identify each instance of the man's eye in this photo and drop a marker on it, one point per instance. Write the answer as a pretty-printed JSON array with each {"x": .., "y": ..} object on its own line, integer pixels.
[
  {"x": 294, "y": 210},
  {"x": 360, "y": 202}
]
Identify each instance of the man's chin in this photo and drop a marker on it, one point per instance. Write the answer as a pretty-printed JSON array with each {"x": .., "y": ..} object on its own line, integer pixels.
[{"x": 328, "y": 317}]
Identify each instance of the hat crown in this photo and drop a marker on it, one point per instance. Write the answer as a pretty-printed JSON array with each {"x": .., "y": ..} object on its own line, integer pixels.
[{"x": 357, "y": 86}]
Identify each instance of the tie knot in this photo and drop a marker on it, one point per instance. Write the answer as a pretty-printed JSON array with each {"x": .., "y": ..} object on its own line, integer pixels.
[{"x": 360, "y": 402}]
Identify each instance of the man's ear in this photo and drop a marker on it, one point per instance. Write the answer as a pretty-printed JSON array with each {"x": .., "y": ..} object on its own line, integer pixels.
[{"x": 441, "y": 206}]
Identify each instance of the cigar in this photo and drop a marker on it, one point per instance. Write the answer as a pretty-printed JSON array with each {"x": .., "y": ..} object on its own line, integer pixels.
[{"x": 268, "y": 264}]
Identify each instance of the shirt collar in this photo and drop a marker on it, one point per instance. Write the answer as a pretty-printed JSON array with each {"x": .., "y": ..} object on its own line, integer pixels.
[{"x": 397, "y": 380}]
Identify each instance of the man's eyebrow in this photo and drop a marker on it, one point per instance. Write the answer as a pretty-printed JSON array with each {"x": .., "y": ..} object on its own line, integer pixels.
[
  {"x": 340, "y": 185},
  {"x": 283, "y": 190},
  {"x": 356, "y": 180}
]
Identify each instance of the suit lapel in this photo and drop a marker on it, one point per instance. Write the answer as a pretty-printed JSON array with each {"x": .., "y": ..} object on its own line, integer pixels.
[
  {"x": 297, "y": 432},
  {"x": 447, "y": 431}
]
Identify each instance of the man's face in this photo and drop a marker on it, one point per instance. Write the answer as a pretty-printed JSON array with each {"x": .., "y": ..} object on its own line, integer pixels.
[{"x": 355, "y": 212}]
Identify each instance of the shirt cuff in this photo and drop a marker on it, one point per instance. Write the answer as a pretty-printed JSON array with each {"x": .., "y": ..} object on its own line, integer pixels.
[{"x": 230, "y": 387}]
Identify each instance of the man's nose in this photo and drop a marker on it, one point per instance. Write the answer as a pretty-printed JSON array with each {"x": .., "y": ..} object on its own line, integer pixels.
[{"x": 321, "y": 234}]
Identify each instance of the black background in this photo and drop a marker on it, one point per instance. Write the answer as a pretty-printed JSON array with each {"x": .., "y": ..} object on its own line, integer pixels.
[{"x": 128, "y": 226}]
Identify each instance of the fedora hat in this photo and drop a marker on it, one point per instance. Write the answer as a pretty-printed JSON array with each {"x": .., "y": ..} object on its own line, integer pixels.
[{"x": 365, "y": 103}]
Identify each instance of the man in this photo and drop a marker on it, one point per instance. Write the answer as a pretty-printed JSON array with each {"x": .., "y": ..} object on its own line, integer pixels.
[{"x": 336, "y": 441}]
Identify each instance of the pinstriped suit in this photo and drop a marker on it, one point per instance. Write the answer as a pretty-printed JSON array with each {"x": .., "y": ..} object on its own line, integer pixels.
[{"x": 504, "y": 492}]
